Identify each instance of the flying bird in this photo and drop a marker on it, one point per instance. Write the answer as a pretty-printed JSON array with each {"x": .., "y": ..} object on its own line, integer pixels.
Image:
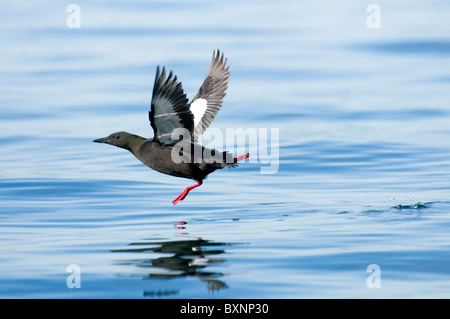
[{"x": 177, "y": 124}]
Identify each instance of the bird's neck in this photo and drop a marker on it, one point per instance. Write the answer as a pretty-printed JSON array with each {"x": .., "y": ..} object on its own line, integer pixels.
[{"x": 135, "y": 143}]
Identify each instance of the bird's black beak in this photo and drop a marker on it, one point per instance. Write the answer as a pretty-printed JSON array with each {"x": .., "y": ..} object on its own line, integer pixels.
[{"x": 101, "y": 140}]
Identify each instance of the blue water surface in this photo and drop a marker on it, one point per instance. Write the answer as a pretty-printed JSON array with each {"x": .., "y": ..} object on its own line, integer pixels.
[{"x": 362, "y": 161}]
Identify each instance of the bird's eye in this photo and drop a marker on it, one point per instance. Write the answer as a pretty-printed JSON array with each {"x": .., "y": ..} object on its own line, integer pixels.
[{"x": 117, "y": 137}]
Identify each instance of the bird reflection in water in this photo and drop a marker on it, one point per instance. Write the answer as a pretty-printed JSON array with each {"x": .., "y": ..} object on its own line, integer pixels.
[{"x": 186, "y": 258}]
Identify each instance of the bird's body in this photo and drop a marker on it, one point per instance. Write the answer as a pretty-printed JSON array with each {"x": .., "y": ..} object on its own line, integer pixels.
[
  {"x": 170, "y": 152},
  {"x": 155, "y": 155}
]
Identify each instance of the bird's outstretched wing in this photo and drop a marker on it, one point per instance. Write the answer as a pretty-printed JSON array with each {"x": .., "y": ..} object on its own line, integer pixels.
[
  {"x": 208, "y": 100},
  {"x": 169, "y": 108}
]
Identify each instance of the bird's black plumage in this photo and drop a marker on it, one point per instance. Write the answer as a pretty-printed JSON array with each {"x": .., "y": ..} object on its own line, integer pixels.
[
  {"x": 171, "y": 113},
  {"x": 169, "y": 107}
]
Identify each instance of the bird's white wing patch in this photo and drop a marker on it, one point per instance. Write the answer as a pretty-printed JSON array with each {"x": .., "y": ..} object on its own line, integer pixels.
[{"x": 198, "y": 109}]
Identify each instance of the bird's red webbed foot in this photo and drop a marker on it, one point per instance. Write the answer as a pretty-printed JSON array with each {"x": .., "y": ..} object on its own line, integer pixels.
[
  {"x": 185, "y": 192},
  {"x": 241, "y": 157}
]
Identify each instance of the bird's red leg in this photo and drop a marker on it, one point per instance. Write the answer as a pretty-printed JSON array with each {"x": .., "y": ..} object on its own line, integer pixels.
[
  {"x": 242, "y": 157},
  {"x": 185, "y": 192}
]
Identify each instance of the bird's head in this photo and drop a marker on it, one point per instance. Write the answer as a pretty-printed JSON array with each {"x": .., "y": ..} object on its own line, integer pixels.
[{"x": 120, "y": 139}]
